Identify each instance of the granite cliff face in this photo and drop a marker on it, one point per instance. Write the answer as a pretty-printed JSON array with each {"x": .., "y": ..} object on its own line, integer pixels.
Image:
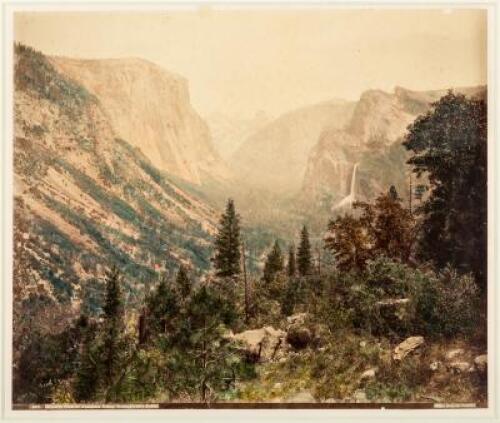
[
  {"x": 86, "y": 199},
  {"x": 150, "y": 108},
  {"x": 275, "y": 157},
  {"x": 368, "y": 150}
]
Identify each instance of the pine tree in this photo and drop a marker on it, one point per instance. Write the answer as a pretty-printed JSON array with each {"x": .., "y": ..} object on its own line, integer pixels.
[
  {"x": 162, "y": 306},
  {"x": 274, "y": 263},
  {"x": 113, "y": 325},
  {"x": 227, "y": 243},
  {"x": 304, "y": 253},
  {"x": 291, "y": 265},
  {"x": 183, "y": 284},
  {"x": 202, "y": 356},
  {"x": 87, "y": 375}
]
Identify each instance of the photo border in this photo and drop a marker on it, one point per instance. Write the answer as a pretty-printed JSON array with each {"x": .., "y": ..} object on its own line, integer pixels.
[{"x": 491, "y": 413}]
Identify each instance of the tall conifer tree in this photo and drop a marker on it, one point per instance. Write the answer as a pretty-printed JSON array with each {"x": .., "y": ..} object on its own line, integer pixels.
[
  {"x": 182, "y": 282},
  {"x": 113, "y": 325},
  {"x": 227, "y": 243},
  {"x": 304, "y": 253},
  {"x": 274, "y": 262}
]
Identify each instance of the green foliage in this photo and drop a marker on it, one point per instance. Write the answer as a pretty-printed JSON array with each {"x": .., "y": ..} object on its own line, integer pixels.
[
  {"x": 448, "y": 305},
  {"x": 274, "y": 263},
  {"x": 290, "y": 296},
  {"x": 383, "y": 228},
  {"x": 107, "y": 351},
  {"x": 392, "y": 299},
  {"x": 108, "y": 200},
  {"x": 87, "y": 376},
  {"x": 183, "y": 283},
  {"x": 304, "y": 253},
  {"x": 113, "y": 329},
  {"x": 227, "y": 243},
  {"x": 162, "y": 307},
  {"x": 350, "y": 243},
  {"x": 45, "y": 360},
  {"x": 450, "y": 146}
]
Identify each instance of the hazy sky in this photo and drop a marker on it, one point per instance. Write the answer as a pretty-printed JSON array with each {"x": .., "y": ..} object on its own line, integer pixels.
[{"x": 241, "y": 61}]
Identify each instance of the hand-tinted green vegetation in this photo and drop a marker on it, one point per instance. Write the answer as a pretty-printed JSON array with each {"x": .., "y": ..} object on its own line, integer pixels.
[{"x": 331, "y": 326}]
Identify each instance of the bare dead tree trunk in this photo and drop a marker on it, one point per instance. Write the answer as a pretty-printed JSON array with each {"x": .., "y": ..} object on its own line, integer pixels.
[{"x": 247, "y": 300}]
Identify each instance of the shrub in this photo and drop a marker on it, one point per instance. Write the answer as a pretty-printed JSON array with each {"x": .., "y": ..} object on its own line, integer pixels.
[
  {"x": 299, "y": 337},
  {"x": 433, "y": 305},
  {"x": 448, "y": 304}
]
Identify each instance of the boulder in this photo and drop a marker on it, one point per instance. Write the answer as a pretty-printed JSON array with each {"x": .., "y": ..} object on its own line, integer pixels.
[
  {"x": 261, "y": 345},
  {"x": 481, "y": 363},
  {"x": 369, "y": 374},
  {"x": 450, "y": 355},
  {"x": 299, "y": 336},
  {"x": 407, "y": 346}
]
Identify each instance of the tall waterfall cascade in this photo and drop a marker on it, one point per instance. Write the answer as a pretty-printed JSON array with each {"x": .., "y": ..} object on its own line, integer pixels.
[{"x": 348, "y": 201}]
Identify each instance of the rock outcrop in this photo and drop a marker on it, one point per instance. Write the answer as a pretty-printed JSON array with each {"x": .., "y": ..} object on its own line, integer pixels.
[
  {"x": 260, "y": 345},
  {"x": 149, "y": 107},
  {"x": 407, "y": 346},
  {"x": 372, "y": 140}
]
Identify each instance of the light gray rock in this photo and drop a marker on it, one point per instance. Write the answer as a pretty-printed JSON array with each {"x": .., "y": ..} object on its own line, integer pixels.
[
  {"x": 262, "y": 344},
  {"x": 369, "y": 374},
  {"x": 406, "y": 347}
]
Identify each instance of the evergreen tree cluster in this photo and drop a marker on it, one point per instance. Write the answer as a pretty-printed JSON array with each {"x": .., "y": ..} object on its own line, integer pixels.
[
  {"x": 227, "y": 243},
  {"x": 449, "y": 146}
]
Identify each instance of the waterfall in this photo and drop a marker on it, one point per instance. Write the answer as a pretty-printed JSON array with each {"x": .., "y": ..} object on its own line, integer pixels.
[
  {"x": 353, "y": 182},
  {"x": 349, "y": 199}
]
